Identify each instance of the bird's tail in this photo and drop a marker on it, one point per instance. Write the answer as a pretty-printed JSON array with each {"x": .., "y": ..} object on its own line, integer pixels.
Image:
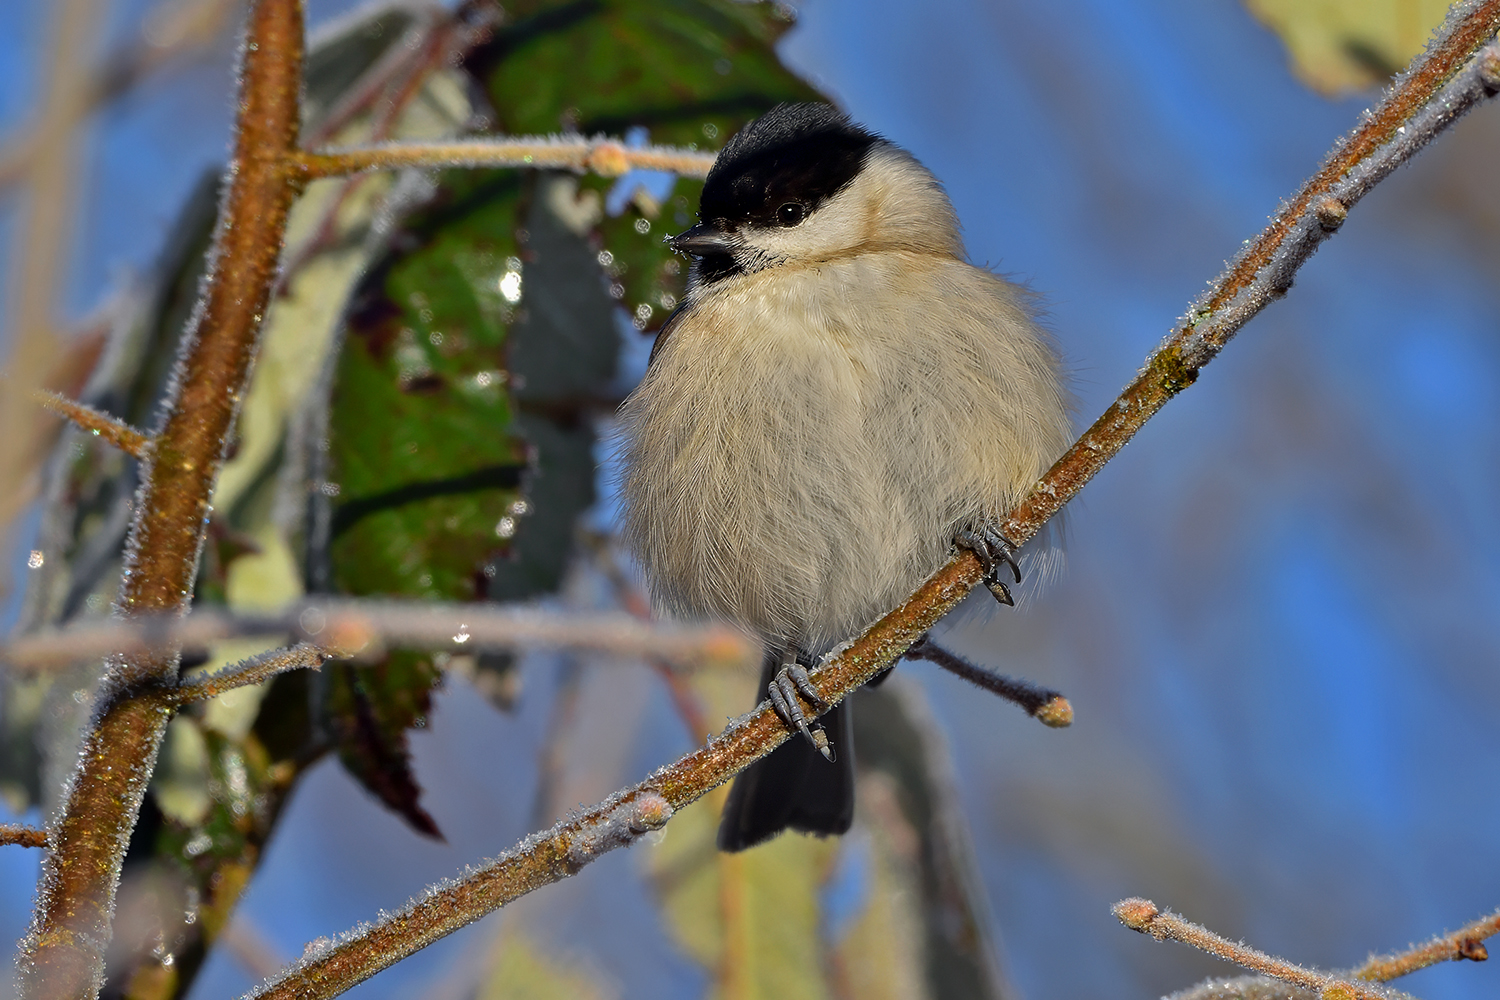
[{"x": 793, "y": 786}]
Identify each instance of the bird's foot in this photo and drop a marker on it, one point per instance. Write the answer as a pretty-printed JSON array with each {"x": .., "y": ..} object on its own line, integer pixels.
[
  {"x": 993, "y": 552},
  {"x": 791, "y": 680}
]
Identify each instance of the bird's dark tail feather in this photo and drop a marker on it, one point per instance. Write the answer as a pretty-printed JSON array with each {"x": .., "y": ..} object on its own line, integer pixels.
[{"x": 793, "y": 786}]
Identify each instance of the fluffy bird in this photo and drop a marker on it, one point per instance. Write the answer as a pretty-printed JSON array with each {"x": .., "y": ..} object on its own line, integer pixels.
[{"x": 840, "y": 399}]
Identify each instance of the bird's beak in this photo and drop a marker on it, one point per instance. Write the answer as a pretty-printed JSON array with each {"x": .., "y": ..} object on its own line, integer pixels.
[{"x": 702, "y": 239}]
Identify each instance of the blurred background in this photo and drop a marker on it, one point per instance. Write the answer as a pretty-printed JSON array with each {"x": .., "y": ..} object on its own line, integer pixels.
[{"x": 1276, "y": 622}]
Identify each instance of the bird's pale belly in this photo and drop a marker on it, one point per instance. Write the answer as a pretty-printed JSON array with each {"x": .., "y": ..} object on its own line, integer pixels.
[{"x": 788, "y": 520}]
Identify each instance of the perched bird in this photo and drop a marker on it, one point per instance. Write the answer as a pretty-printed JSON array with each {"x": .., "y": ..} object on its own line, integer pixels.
[{"x": 840, "y": 399}]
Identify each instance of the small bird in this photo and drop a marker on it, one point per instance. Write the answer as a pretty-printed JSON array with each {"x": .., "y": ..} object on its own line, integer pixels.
[{"x": 839, "y": 400}]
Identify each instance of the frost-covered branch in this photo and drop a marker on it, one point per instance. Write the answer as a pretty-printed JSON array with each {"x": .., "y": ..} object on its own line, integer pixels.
[
  {"x": 607, "y": 157},
  {"x": 352, "y": 627},
  {"x": 1465, "y": 943},
  {"x": 1279, "y": 980},
  {"x": 262, "y": 667},
  {"x": 1046, "y": 706},
  {"x": 1449, "y": 79},
  {"x": 1164, "y": 925},
  {"x": 22, "y": 836}
]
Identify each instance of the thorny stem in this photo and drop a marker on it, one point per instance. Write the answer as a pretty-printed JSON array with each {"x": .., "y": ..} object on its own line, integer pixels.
[
  {"x": 607, "y": 157},
  {"x": 63, "y": 955},
  {"x": 1142, "y": 915},
  {"x": 118, "y": 433},
  {"x": 1445, "y": 83}
]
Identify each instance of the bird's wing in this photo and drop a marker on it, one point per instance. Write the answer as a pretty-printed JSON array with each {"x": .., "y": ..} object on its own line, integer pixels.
[{"x": 664, "y": 333}]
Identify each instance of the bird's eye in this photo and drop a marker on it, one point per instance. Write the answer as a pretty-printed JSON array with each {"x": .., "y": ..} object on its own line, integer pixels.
[{"x": 790, "y": 214}]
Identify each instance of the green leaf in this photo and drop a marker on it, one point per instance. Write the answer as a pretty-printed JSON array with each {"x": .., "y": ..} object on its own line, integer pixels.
[
  {"x": 519, "y": 969},
  {"x": 423, "y": 455}
]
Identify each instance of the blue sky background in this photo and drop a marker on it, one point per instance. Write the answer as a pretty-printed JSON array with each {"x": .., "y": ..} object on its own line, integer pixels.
[{"x": 1277, "y": 625}]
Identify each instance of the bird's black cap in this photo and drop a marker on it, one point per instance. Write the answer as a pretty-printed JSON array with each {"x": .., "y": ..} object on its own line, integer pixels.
[{"x": 794, "y": 153}]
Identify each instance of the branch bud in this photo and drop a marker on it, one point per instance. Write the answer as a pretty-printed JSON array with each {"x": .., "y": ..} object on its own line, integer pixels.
[{"x": 1136, "y": 913}]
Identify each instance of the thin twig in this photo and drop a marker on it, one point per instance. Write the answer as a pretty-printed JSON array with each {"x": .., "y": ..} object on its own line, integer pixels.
[
  {"x": 1419, "y": 104},
  {"x": 1048, "y": 707},
  {"x": 1465, "y": 943},
  {"x": 394, "y": 81},
  {"x": 606, "y": 157},
  {"x": 168, "y": 32},
  {"x": 39, "y": 251},
  {"x": 1142, "y": 915},
  {"x": 254, "y": 670},
  {"x": 22, "y": 836},
  {"x": 353, "y": 627},
  {"x": 118, "y": 433},
  {"x": 399, "y": 60}
]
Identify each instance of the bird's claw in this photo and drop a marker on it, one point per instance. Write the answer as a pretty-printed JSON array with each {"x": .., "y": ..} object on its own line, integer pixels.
[
  {"x": 993, "y": 551},
  {"x": 791, "y": 680}
]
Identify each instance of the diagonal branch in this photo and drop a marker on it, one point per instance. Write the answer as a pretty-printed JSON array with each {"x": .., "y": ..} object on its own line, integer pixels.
[
  {"x": 607, "y": 157},
  {"x": 1451, "y": 78},
  {"x": 1446, "y": 82},
  {"x": 118, "y": 433}
]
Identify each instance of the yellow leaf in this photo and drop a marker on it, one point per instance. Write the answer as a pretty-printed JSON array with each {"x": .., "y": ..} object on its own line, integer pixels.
[
  {"x": 520, "y": 970},
  {"x": 180, "y": 781},
  {"x": 753, "y": 919},
  {"x": 1338, "y": 46}
]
